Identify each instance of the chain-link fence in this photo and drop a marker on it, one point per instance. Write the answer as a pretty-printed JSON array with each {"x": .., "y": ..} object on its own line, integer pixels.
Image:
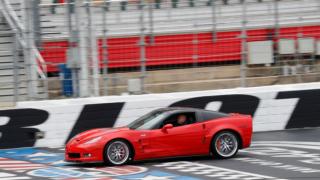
[{"x": 98, "y": 47}]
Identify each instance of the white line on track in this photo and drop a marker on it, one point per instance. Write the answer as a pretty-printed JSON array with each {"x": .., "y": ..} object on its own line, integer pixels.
[
  {"x": 287, "y": 142},
  {"x": 289, "y": 145},
  {"x": 12, "y": 162},
  {"x": 19, "y": 165},
  {"x": 213, "y": 171},
  {"x": 9, "y": 176}
]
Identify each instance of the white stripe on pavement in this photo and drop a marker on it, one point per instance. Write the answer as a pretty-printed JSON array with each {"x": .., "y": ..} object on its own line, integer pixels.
[
  {"x": 213, "y": 171},
  {"x": 18, "y": 165},
  {"x": 287, "y": 142}
]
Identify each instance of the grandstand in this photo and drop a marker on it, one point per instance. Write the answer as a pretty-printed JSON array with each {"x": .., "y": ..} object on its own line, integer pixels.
[
  {"x": 10, "y": 63},
  {"x": 203, "y": 37},
  {"x": 174, "y": 30},
  {"x": 18, "y": 83}
]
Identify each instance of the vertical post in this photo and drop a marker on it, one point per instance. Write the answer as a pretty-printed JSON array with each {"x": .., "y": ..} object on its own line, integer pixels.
[
  {"x": 83, "y": 73},
  {"x": 276, "y": 34},
  {"x": 150, "y": 10},
  {"x": 299, "y": 56},
  {"x": 105, "y": 47},
  {"x": 142, "y": 46},
  {"x": 214, "y": 20},
  {"x": 195, "y": 40},
  {"x": 16, "y": 67},
  {"x": 243, "y": 45},
  {"x": 73, "y": 47},
  {"x": 29, "y": 57},
  {"x": 36, "y": 22},
  {"x": 276, "y": 19},
  {"x": 93, "y": 51},
  {"x": 276, "y": 30}
]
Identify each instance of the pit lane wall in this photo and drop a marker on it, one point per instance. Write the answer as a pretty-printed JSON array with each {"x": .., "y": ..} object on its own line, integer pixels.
[{"x": 273, "y": 108}]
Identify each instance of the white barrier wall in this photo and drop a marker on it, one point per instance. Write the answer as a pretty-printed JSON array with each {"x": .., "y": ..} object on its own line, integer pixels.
[{"x": 273, "y": 108}]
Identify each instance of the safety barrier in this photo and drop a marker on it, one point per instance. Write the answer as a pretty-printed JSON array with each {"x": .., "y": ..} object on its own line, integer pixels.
[{"x": 52, "y": 123}]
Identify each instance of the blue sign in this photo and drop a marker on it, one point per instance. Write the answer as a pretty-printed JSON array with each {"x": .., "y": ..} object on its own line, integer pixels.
[
  {"x": 34, "y": 155},
  {"x": 56, "y": 160},
  {"x": 56, "y": 172}
]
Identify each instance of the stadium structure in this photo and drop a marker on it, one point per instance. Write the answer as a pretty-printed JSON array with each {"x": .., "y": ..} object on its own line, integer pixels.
[{"x": 115, "y": 47}]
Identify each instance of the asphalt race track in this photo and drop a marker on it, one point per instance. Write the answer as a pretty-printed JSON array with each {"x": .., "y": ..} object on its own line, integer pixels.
[{"x": 291, "y": 154}]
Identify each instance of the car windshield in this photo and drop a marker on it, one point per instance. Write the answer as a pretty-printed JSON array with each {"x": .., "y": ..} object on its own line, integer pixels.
[{"x": 147, "y": 121}]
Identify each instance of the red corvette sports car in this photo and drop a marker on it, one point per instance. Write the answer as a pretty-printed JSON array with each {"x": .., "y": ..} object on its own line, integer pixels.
[{"x": 166, "y": 132}]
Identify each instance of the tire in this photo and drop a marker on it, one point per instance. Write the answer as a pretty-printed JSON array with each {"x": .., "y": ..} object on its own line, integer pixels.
[
  {"x": 117, "y": 153},
  {"x": 225, "y": 145}
]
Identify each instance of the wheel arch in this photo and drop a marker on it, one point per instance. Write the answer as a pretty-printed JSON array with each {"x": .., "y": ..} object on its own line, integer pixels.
[
  {"x": 240, "y": 145},
  {"x": 122, "y": 139}
]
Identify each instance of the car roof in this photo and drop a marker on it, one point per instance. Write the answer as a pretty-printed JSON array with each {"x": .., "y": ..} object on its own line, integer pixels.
[
  {"x": 187, "y": 109},
  {"x": 179, "y": 109},
  {"x": 207, "y": 113}
]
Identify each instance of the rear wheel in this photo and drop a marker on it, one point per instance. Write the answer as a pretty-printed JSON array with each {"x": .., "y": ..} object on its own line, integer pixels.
[
  {"x": 225, "y": 144},
  {"x": 117, "y": 152}
]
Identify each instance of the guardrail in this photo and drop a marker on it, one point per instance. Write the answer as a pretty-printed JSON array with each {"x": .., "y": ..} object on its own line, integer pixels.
[{"x": 272, "y": 107}]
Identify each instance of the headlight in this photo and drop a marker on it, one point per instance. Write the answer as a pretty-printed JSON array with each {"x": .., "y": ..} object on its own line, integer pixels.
[{"x": 94, "y": 140}]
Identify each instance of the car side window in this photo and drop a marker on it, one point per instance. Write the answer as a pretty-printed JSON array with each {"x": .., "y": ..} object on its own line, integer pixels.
[
  {"x": 180, "y": 119},
  {"x": 211, "y": 115}
]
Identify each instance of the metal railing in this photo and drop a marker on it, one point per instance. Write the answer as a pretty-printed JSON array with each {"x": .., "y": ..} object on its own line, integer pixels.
[
  {"x": 28, "y": 47},
  {"x": 183, "y": 48},
  {"x": 17, "y": 27}
]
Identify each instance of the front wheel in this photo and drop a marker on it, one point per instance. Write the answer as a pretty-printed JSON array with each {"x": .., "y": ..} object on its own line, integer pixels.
[
  {"x": 225, "y": 145},
  {"x": 117, "y": 152}
]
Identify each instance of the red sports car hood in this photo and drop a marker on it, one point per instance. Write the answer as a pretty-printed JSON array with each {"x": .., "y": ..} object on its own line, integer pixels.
[{"x": 86, "y": 135}]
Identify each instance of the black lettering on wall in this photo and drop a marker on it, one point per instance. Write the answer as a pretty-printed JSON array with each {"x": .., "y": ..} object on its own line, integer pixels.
[
  {"x": 17, "y": 132},
  {"x": 96, "y": 116},
  {"x": 307, "y": 110},
  {"x": 244, "y": 104}
]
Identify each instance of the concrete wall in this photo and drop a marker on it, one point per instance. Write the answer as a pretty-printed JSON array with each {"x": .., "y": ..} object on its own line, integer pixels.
[
  {"x": 198, "y": 79},
  {"x": 273, "y": 108}
]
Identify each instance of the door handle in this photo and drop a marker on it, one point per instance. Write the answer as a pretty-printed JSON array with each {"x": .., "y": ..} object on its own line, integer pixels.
[
  {"x": 143, "y": 135},
  {"x": 203, "y": 126}
]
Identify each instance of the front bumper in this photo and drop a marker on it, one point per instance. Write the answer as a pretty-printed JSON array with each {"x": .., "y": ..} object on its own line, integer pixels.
[{"x": 83, "y": 153}]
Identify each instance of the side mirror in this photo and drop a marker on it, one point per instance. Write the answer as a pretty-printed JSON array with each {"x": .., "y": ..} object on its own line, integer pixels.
[{"x": 166, "y": 127}]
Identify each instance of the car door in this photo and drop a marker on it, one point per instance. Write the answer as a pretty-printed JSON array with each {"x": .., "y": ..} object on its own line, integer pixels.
[
  {"x": 186, "y": 140},
  {"x": 154, "y": 144},
  {"x": 177, "y": 141}
]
